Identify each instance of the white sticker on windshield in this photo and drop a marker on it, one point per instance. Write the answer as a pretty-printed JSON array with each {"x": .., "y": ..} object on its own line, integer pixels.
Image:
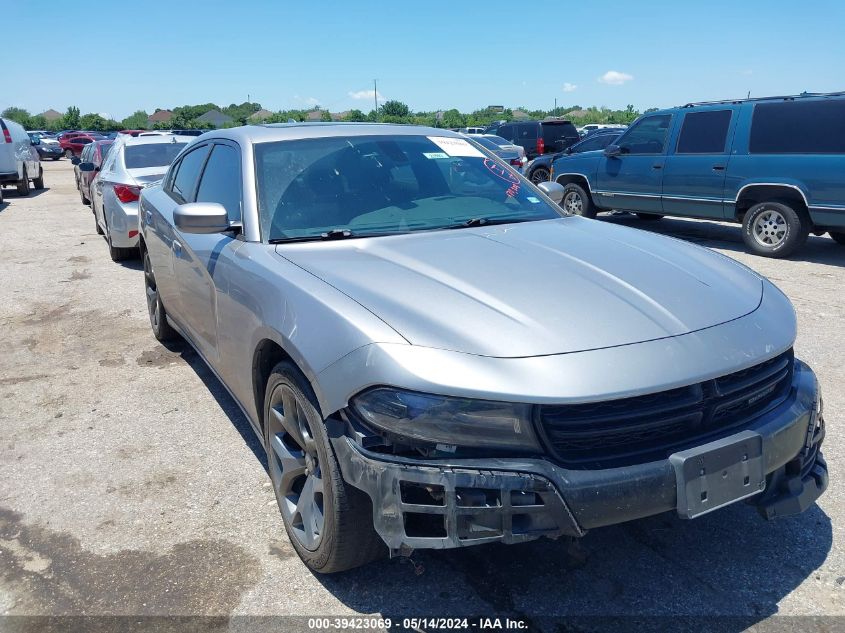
[
  {"x": 433, "y": 155},
  {"x": 456, "y": 146},
  {"x": 533, "y": 200}
]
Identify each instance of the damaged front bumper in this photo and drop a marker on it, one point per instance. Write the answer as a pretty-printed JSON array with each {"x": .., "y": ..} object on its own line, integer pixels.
[{"x": 453, "y": 503}]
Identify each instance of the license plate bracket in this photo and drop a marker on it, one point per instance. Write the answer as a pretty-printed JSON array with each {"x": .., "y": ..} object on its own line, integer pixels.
[{"x": 719, "y": 473}]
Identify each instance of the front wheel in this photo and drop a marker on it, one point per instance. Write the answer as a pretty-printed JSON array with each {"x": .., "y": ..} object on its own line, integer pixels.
[
  {"x": 576, "y": 201},
  {"x": 162, "y": 330},
  {"x": 838, "y": 236},
  {"x": 774, "y": 229},
  {"x": 329, "y": 522}
]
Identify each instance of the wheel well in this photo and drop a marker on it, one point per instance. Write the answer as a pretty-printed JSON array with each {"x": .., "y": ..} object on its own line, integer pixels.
[
  {"x": 267, "y": 355},
  {"x": 568, "y": 179},
  {"x": 770, "y": 193}
]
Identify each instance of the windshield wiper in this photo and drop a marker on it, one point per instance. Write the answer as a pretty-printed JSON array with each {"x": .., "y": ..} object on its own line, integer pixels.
[
  {"x": 487, "y": 222},
  {"x": 333, "y": 234}
]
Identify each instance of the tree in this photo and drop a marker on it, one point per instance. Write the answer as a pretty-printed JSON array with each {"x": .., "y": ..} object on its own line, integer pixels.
[
  {"x": 70, "y": 121},
  {"x": 19, "y": 115},
  {"x": 395, "y": 108},
  {"x": 92, "y": 121},
  {"x": 136, "y": 121},
  {"x": 325, "y": 115},
  {"x": 453, "y": 118},
  {"x": 355, "y": 115}
]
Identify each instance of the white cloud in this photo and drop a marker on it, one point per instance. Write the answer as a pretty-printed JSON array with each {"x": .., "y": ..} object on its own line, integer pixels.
[
  {"x": 312, "y": 101},
  {"x": 365, "y": 94},
  {"x": 747, "y": 71},
  {"x": 568, "y": 87},
  {"x": 615, "y": 78}
]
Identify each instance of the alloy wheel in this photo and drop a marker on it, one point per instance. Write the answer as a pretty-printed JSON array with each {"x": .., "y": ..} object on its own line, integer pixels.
[
  {"x": 295, "y": 467},
  {"x": 573, "y": 203},
  {"x": 153, "y": 304},
  {"x": 540, "y": 175},
  {"x": 769, "y": 228}
]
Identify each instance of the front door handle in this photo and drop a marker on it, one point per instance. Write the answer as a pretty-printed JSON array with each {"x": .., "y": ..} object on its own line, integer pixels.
[
  {"x": 657, "y": 166},
  {"x": 718, "y": 168}
]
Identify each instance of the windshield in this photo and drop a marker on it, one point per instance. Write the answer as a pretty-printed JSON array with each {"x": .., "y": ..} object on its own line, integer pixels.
[
  {"x": 498, "y": 140},
  {"x": 372, "y": 185},
  {"x": 151, "y": 154}
]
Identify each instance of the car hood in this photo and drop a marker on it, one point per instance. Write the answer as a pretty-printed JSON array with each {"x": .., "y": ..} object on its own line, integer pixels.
[{"x": 536, "y": 288}]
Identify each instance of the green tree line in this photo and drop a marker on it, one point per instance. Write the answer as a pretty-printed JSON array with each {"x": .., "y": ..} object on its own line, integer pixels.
[{"x": 393, "y": 111}]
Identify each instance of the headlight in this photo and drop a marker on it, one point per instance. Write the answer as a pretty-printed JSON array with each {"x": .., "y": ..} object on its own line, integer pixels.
[{"x": 446, "y": 420}]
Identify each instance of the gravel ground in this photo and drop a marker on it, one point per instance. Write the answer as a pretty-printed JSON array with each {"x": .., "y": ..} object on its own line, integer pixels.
[{"x": 130, "y": 483}]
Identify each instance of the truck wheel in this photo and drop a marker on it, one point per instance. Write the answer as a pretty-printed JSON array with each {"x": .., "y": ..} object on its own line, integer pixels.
[
  {"x": 23, "y": 185},
  {"x": 329, "y": 522},
  {"x": 38, "y": 183},
  {"x": 162, "y": 330},
  {"x": 774, "y": 229},
  {"x": 649, "y": 217},
  {"x": 541, "y": 174},
  {"x": 838, "y": 236},
  {"x": 576, "y": 201}
]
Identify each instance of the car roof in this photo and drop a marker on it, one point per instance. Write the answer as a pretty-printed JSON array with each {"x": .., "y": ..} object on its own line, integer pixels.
[
  {"x": 129, "y": 141},
  {"x": 263, "y": 133}
]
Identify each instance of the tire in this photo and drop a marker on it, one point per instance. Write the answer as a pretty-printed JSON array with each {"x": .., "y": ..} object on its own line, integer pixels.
[
  {"x": 541, "y": 174},
  {"x": 162, "y": 330},
  {"x": 23, "y": 185},
  {"x": 38, "y": 183},
  {"x": 838, "y": 236},
  {"x": 774, "y": 229},
  {"x": 56, "y": 157},
  {"x": 82, "y": 195},
  {"x": 649, "y": 217},
  {"x": 329, "y": 523},
  {"x": 576, "y": 201},
  {"x": 1, "y": 194},
  {"x": 117, "y": 253},
  {"x": 97, "y": 224},
  {"x": 68, "y": 153}
]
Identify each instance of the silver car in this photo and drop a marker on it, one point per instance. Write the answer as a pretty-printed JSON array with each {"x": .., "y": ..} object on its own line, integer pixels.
[
  {"x": 130, "y": 164},
  {"x": 434, "y": 356}
]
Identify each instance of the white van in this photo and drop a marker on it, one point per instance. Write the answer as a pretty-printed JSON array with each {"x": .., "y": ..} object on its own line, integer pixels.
[{"x": 19, "y": 160}]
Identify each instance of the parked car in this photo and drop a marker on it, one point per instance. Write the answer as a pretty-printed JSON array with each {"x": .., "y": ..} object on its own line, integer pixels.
[
  {"x": 537, "y": 137},
  {"x": 773, "y": 164},
  {"x": 45, "y": 146},
  {"x": 374, "y": 299},
  {"x": 131, "y": 132},
  {"x": 88, "y": 165},
  {"x": 472, "y": 130},
  {"x": 540, "y": 169},
  {"x": 19, "y": 161},
  {"x": 130, "y": 164},
  {"x": 511, "y": 156},
  {"x": 72, "y": 145},
  {"x": 503, "y": 143}
]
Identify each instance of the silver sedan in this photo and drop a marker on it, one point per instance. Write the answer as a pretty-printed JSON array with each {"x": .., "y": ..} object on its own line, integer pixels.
[{"x": 434, "y": 356}]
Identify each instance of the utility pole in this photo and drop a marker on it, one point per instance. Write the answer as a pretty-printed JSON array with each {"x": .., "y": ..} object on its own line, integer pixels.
[
  {"x": 555, "y": 106},
  {"x": 375, "y": 95}
]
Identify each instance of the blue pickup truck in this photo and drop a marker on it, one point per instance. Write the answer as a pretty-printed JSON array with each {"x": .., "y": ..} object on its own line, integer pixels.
[{"x": 776, "y": 165}]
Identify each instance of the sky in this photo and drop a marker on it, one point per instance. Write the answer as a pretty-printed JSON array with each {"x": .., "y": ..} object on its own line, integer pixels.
[{"x": 431, "y": 55}]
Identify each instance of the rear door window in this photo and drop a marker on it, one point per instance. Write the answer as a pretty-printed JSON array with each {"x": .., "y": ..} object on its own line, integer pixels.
[
  {"x": 526, "y": 132},
  {"x": 704, "y": 132},
  {"x": 187, "y": 173},
  {"x": 221, "y": 181},
  {"x": 553, "y": 132},
  {"x": 798, "y": 127}
]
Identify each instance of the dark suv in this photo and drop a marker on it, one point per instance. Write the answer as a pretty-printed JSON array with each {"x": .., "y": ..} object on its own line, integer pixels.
[
  {"x": 775, "y": 164},
  {"x": 537, "y": 137}
]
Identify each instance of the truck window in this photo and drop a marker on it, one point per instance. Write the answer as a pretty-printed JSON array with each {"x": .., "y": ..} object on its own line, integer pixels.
[
  {"x": 704, "y": 132},
  {"x": 646, "y": 136},
  {"x": 798, "y": 127}
]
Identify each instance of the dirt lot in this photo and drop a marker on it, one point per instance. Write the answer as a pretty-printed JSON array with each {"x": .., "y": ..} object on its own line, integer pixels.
[{"x": 131, "y": 484}]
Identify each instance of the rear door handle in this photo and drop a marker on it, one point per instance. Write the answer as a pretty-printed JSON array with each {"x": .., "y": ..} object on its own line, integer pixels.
[
  {"x": 657, "y": 166},
  {"x": 149, "y": 216},
  {"x": 718, "y": 167}
]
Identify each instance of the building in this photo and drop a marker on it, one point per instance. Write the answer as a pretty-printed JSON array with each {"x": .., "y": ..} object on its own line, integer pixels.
[
  {"x": 216, "y": 118},
  {"x": 261, "y": 115},
  {"x": 520, "y": 115},
  {"x": 159, "y": 116},
  {"x": 340, "y": 116},
  {"x": 51, "y": 115}
]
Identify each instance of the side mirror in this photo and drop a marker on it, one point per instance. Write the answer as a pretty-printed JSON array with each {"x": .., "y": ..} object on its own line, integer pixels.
[
  {"x": 552, "y": 189},
  {"x": 612, "y": 150},
  {"x": 568, "y": 150},
  {"x": 75, "y": 160},
  {"x": 201, "y": 217},
  {"x": 86, "y": 166}
]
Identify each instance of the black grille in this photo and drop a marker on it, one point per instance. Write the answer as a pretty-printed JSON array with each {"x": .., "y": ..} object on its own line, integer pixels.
[{"x": 651, "y": 427}]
